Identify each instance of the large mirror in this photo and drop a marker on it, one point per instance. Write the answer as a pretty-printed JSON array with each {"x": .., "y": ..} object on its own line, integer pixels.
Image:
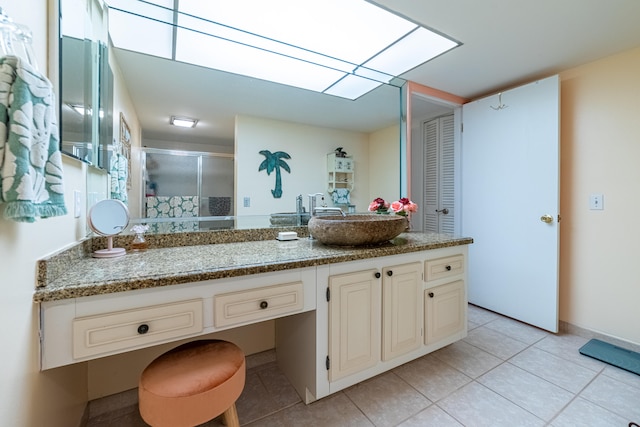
[
  {"x": 238, "y": 118},
  {"x": 86, "y": 83}
]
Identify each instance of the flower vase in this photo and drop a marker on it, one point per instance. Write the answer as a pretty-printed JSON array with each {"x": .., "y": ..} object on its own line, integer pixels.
[{"x": 139, "y": 243}]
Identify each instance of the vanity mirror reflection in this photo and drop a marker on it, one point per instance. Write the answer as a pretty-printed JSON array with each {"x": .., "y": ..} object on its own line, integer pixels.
[
  {"x": 86, "y": 82},
  {"x": 148, "y": 90}
]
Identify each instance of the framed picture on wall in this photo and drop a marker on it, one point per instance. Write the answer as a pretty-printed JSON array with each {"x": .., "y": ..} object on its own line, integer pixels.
[{"x": 125, "y": 144}]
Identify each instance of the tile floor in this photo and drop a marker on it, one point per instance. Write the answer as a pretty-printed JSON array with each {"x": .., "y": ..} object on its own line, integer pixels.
[{"x": 505, "y": 373}]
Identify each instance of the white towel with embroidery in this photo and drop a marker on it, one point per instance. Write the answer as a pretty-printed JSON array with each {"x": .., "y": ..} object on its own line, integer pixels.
[
  {"x": 340, "y": 196},
  {"x": 119, "y": 171},
  {"x": 30, "y": 161}
]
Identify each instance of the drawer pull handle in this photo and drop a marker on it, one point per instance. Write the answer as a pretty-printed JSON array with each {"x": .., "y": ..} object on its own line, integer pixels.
[
  {"x": 430, "y": 294},
  {"x": 264, "y": 304},
  {"x": 143, "y": 329},
  {"x": 390, "y": 273},
  {"x": 377, "y": 275},
  {"x": 448, "y": 268}
]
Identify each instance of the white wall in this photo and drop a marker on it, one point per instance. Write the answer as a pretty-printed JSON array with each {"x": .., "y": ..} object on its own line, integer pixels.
[
  {"x": 122, "y": 103},
  {"x": 29, "y": 397},
  {"x": 384, "y": 165},
  {"x": 308, "y": 147},
  {"x": 599, "y": 252}
]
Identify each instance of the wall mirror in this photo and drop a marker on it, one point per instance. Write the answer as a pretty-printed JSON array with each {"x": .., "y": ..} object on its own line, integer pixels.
[
  {"x": 157, "y": 88},
  {"x": 86, "y": 82}
]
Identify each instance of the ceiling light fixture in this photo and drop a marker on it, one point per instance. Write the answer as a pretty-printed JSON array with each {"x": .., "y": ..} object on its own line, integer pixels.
[
  {"x": 284, "y": 41},
  {"x": 183, "y": 122}
]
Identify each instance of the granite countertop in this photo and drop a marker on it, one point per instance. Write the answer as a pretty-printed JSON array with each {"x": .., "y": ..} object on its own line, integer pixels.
[{"x": 174, "y": 265}]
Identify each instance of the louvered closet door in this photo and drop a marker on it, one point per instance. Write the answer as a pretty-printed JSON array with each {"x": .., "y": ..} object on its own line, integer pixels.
[{"x": 439, "y": 182}]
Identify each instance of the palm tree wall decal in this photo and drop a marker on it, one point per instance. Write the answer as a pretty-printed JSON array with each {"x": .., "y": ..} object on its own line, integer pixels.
[{"x": 273, "y": 161}]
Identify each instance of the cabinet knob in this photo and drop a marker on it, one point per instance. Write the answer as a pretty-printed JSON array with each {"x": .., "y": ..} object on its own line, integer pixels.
[
  {"x": 448, "y": 268},
  {"x": 143, "y": 329},
  {"x": 389, "y": 273},
  {"x": 264, "y": 304},
  {"x": 377, "y": 275},
  {"x": 430, "y": 294}
]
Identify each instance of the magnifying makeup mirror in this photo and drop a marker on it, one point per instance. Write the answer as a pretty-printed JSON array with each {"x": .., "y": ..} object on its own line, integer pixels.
[{"x": 107, "y": 218}]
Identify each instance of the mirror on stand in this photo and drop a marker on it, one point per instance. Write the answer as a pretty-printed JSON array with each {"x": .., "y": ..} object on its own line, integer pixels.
[{"x": 108, "y": 218}]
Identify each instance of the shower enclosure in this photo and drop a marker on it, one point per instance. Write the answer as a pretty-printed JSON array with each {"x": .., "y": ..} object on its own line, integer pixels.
[{"x": 180, "y": 185}]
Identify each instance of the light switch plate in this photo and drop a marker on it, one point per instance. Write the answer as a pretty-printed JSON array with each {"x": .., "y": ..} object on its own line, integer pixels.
[
  {"x": 596, "y": 202},
  {"x": 77, "y": 198}
]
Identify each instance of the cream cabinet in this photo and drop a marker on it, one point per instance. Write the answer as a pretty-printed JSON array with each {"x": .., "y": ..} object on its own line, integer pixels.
[
  {"x": 445, "y": 300},
  {"x": 86, "y": 328},
  {"x": 374, "y": 315},
  {"x": 401, "y": 309},
  {"x": 445, "y": 311},
  {"x": 354, "y": 322}
]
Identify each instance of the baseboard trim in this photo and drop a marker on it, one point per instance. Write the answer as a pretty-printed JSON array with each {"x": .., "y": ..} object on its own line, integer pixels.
[{"x": 568, "y": 328}]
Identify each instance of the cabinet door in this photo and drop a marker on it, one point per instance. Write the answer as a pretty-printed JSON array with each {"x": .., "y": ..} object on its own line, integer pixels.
[
  {"x": 401, "y": 309},
  {"x": 354, "y": 322},
  {"x": 445, "y": 311}
]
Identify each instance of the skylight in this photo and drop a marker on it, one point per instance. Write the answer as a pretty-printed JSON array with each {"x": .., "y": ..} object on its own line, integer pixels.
[{"x": 344, "y": 48}]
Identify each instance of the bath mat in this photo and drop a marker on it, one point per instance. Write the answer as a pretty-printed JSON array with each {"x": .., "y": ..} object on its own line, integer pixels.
[{"x": 613, "y": 355}]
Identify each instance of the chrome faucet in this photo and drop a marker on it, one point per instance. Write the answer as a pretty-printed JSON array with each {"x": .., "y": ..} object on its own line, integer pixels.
[
  {"x": 330, "y": 209},
  {"x": 299, "y": 210},
  {"x": 312, "y": 202}
]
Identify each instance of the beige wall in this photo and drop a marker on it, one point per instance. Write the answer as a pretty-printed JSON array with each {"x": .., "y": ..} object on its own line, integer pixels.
[
  {"x": 599, "y": 250},
  {"x": 384, "y": 165},
  {"x": 29, "y": 397},
  {"x": 308, "y": 147},
  {"x": 599, "y": 289}
]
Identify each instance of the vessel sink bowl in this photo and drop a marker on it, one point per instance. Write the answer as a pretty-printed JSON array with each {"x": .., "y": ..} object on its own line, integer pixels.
[{"x": 356, "y": 230}]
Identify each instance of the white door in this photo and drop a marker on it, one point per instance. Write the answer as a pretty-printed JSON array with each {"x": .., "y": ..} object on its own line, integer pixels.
[
  {"x": 510, "y": 186},
  {"x": 439, "y": 175}
]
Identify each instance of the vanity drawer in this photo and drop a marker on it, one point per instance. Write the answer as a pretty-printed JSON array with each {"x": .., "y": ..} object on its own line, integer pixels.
[
  {"x": 443, "y": 267},
  {"x": 258, "y": 304},
  {"x": 134, "y": 328}
]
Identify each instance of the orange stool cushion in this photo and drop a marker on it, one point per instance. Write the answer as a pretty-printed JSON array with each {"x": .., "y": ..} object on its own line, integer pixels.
[{"x": 191, "y": 384}]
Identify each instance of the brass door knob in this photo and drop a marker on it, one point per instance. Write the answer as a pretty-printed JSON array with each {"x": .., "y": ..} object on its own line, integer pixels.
[{"x": 546, "y": 218}]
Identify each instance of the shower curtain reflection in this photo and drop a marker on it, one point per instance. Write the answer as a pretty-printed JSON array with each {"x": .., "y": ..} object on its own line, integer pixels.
[{"x": 186, "y": 184}]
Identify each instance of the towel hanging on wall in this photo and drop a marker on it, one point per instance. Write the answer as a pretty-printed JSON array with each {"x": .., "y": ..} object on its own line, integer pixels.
[
  {"x": 30, "y": 160},
  {"x": 340, "y": 196},
  {"x": 119, "y": 172}
]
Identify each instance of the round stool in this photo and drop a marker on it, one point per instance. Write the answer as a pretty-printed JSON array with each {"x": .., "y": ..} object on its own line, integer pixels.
[{"x": 192, "y": 384}]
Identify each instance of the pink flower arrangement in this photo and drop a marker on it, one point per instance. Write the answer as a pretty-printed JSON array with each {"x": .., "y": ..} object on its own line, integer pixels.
[
  {"x": 404, "y": 207},
  {"x": 379, "y": 205}
]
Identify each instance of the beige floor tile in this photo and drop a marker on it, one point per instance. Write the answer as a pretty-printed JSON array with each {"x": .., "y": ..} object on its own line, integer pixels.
[
  {"x": 561, "y": 372},
  {"x": 615, "y": 396},
  {"x": 387, "y": 400},
  {"x": 468, "y": 359},
  {"x": 472, "y": 325},
  {"x": 257, "y": 399},
  {"x": 532, "y": 393},
  {"x": 279, "y": 386},
  {"x": 475, "y": 405},
  {"x": 581, "y": 413},
  {"x": 432, "y": 416},
  {"x": 432, "y": 377},
  {"x": 495, "y": 343},
  {"x": 517, "y": 330},
  {"x": 567, "y": 347},
  {"x": 480, "y": 316},
  {"x": 623, "y": 376},
  {"x": 336, "y": 410}
]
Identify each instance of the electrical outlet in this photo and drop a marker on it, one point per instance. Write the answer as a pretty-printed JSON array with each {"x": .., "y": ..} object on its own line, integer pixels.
[
  {"x": 247, "y": 202},
  {"x": 596, "y": 202}
]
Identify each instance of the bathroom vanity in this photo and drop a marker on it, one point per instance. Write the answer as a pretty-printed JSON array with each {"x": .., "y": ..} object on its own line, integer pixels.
[{"x": 342, "y": 314}]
